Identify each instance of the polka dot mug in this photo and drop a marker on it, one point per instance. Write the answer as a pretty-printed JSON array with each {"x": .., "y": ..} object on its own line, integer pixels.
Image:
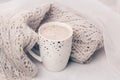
[{"x": 55, "y": 41}]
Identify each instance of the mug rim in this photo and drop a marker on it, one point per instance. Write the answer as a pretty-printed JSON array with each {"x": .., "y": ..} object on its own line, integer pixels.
[{"x": 57, "y": 23}]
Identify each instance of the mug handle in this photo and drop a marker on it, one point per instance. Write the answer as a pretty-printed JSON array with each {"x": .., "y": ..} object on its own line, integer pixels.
[
  {"x": 30, "y": 46},
  {"x": 34, "y": 55}
]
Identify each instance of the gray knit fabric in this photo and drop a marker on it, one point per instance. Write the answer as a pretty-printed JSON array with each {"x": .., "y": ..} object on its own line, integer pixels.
[{"x": 18, "y": 33}]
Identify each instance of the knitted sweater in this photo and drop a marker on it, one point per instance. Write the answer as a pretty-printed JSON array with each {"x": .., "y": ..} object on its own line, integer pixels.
[
  {"x": 19, "y": 33},
  {"x": 16, "y": 34}
]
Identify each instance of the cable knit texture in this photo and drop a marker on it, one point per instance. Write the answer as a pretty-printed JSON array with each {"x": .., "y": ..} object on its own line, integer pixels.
[{"x": 18, "y": 34}]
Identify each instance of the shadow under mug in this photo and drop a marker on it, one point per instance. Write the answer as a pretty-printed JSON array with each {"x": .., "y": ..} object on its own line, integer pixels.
[{"x": 54, "y": 53}]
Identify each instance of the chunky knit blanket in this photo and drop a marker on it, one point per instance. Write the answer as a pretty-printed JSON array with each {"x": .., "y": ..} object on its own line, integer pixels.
[{"x": 18, "y": 33}]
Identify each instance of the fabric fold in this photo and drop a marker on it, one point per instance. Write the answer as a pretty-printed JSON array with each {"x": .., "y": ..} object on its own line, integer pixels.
[{"x": 17, "y": 34}]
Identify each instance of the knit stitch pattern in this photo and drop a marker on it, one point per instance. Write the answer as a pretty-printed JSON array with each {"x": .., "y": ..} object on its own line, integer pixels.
[{"x": 19, "y": 34}]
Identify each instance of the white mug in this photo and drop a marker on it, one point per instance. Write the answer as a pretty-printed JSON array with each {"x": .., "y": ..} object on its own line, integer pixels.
[{"x": 55, "y": 46}]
